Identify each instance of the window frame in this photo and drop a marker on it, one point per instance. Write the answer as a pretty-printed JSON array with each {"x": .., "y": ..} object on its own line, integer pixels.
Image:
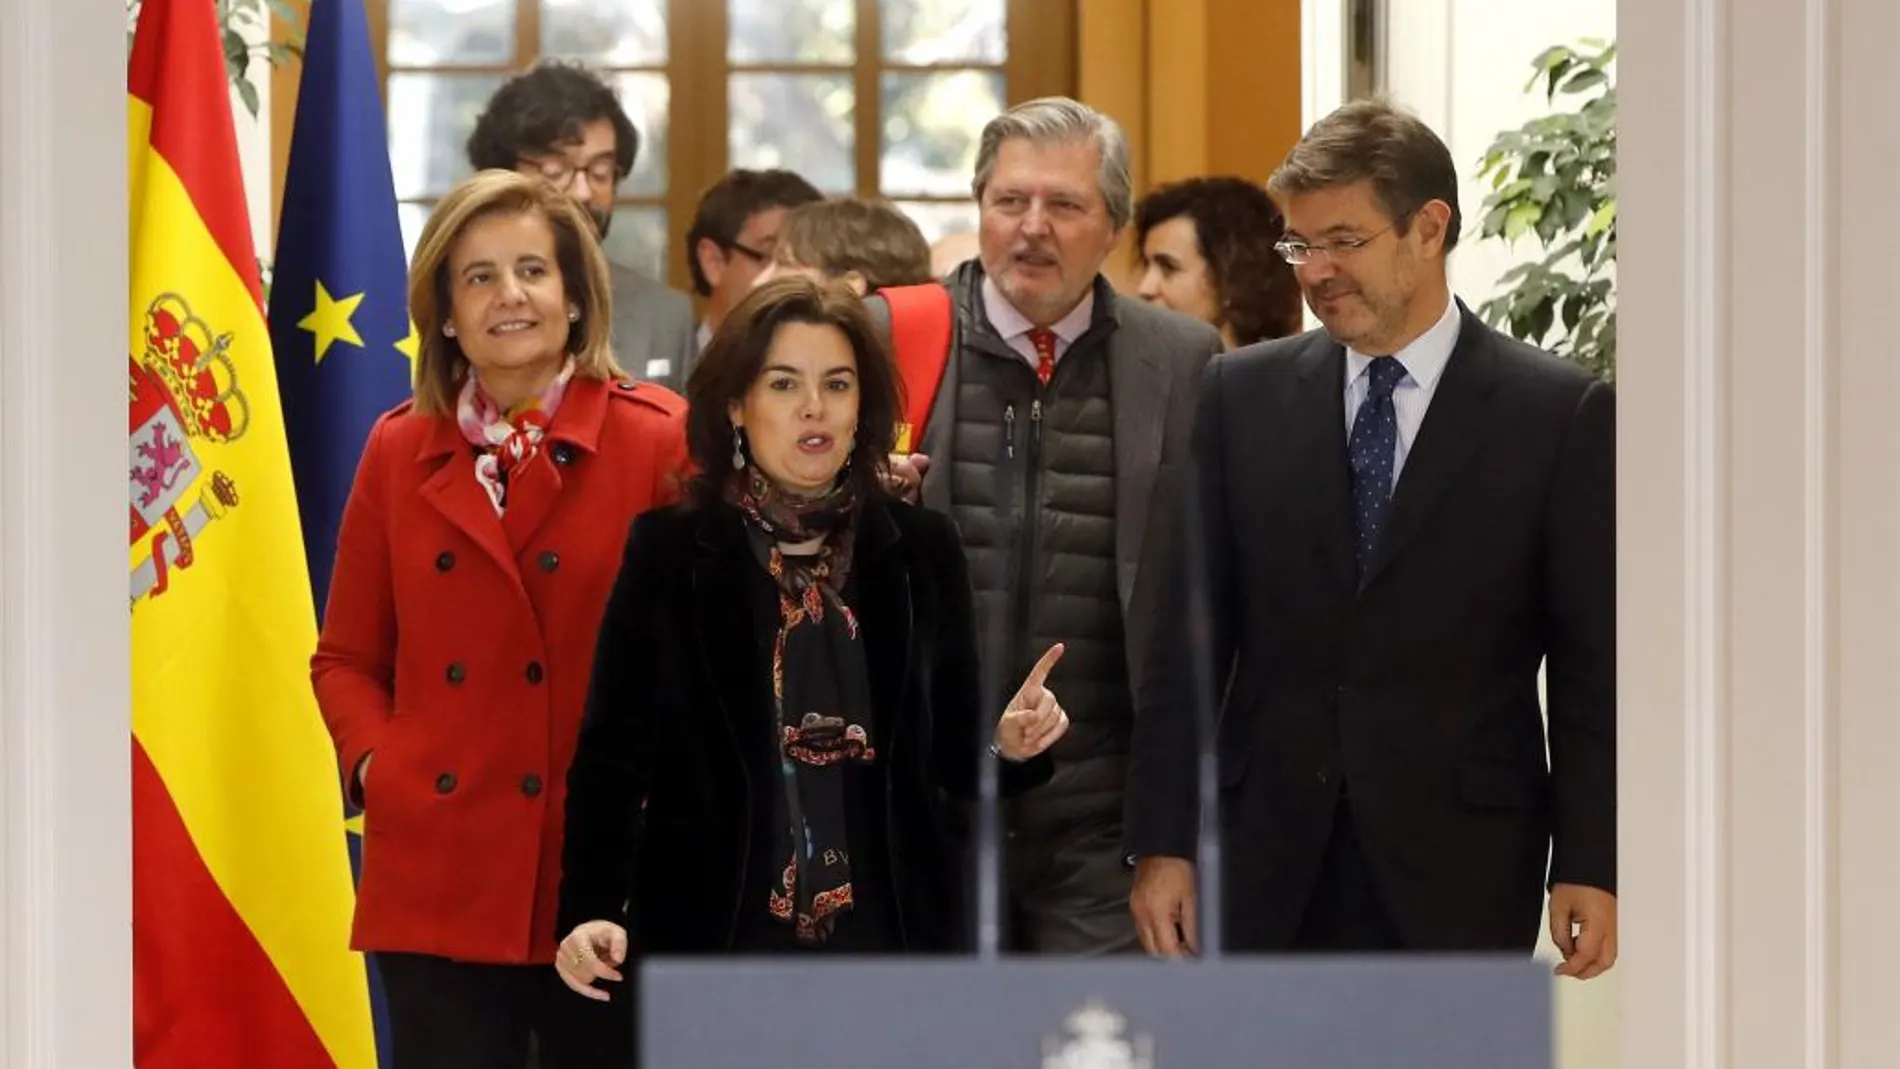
[{"x": 1040, "y": 60}]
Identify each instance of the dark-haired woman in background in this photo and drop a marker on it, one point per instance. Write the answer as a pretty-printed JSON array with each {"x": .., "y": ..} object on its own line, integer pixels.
[
  {"x": 785, "y": 694},
  {"x": 1207, "y": 251}
]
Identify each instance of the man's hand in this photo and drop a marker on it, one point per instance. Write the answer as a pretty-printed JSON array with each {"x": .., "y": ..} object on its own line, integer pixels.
[
  {"x": 905, "y": 476},
  {"x": 1163, "y": 905},
  {"x": 1583, "y": 925}
]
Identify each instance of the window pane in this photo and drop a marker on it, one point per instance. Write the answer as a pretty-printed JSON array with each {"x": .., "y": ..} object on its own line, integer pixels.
[
  {"x": 426, "y": 33},
  {"x": 931, "y": 126},
  {"x": 610, "y": 33},
  {"x": 943, "y": 31},
  {"x": 800, "y": 121},
  {"x": 637, "y": 239},
  {"x": 791, "y": 31},
  {"x": 644, "y": 95},
  {"x": 941, "y": 219},
  {"x": 411, "y": 217},
  {"x": 430, "y": 116}
]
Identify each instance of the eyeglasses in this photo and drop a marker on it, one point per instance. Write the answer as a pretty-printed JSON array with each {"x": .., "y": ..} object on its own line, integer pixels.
[
  {"x": 761, "y": 257},
  {"x": 1305, "y": 252},
  {"x": 602, "y": 171}
]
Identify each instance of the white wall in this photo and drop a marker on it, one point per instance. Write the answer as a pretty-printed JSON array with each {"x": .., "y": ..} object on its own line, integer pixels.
[
  {"x": 253, "y": 138},
  {"x": 1758, "y": 515},
  {"x": 1461, "y": 65},
  {"x": 65, "y": 661}
]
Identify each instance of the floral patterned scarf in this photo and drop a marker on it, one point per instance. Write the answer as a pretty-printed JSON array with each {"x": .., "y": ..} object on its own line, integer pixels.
[
  {"x": 506, "y": 440},
  {"x": 821, "y": 692}
]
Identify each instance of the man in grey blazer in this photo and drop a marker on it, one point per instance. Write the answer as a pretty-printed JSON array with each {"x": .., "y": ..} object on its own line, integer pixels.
[
  {"x": 1062, "y": 414},
  {"x": 562, "y": 122}
]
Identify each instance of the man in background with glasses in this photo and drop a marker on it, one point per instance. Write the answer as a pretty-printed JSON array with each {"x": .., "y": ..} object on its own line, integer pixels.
[
  {"x": 734, "y": 235},
  {"x": 561, "y": 122},
  {"x": 1400, "y": 519}
]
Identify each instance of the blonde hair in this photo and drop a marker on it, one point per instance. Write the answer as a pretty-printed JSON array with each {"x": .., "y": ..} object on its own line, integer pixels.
[{"x": 585, "y": 275}]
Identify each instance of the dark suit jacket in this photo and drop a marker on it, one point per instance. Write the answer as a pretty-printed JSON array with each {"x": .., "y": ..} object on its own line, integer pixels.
[
  {"x": 1417, "y": 687},
  {"x": 653, "y": 330},
  {"x": 676, "y": 764}
]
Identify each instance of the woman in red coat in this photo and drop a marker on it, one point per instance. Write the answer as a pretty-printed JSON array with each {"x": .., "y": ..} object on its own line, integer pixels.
[{"x": 476, "y": 555}]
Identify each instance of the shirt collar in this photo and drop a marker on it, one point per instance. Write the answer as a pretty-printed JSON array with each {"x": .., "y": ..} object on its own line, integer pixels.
[
  {"x": 1010, "y": 323},
  {"x": 1425, "y": 358}
]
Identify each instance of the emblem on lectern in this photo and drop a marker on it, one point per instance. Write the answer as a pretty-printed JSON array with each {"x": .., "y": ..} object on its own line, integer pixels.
[{"x": 1094, "y": 1041}]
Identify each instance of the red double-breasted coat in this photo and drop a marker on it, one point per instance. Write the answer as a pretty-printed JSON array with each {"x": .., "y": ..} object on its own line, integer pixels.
[{"x": 456, "y": 647}]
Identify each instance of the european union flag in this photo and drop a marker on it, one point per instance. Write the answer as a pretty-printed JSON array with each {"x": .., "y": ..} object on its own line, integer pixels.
[
  {"x": 339, "y": 315},
  {"x": 339, "y": 306}
]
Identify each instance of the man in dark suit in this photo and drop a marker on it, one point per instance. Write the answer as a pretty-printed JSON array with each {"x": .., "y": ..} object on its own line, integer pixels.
[{"x": 1395, "y": 523}]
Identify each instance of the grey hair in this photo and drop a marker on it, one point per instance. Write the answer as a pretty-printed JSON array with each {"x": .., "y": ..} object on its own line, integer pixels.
[{"x": 1059, "y": 119}]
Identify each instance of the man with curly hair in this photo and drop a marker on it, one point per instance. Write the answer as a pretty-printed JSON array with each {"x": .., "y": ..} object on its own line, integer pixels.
[{"x": 560, "y": 121}]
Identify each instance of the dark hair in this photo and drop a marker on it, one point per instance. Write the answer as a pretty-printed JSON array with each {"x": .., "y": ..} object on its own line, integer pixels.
[
  {"x": 1375, "y": 141},
  {"x": 729, "y": 202},
  {"x": 1236, "y": 225},
  {"x": 856, "y": 234},
  {"x": 546, "y": 106},
  {"x": 735, "y": 358}
]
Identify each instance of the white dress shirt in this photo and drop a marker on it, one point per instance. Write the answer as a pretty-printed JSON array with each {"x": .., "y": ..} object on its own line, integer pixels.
[
  {"x": 1014, "y": 327},
  {"x": 1424, "y": 362}
]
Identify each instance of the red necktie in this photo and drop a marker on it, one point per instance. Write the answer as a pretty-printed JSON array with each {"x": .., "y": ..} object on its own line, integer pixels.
[{"x": 1045, "y": 343}]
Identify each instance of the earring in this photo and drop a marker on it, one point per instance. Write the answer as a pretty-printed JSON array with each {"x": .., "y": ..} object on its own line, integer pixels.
[
  {"x": 573, "y": 314},
  {"x": 448, "y": 330},
  {"x": 738, "y": 449}
]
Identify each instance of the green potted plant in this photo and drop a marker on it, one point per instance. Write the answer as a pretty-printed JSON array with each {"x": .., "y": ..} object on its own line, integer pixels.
[{"x": 1555, "y": 178}]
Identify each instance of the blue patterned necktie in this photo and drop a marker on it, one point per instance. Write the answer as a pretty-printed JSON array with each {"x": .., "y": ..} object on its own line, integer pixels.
[{"x": 1371, "y": 451}]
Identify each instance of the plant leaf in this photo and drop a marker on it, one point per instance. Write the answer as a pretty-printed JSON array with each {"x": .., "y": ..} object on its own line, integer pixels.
[
  {"x": 1520, "y": 219},
  {"x": 1584, "y": 80},
  {"x": 1602, "y": 218},
  {"x": 248, "y": 92}
]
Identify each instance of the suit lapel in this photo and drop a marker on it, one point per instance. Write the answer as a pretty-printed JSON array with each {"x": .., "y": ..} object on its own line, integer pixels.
[
  {"x": 879, "y": 593},
  {"x": 1138, "y": 389},
  {"x": 1319, "y": 417},
  {"x": 453, "y": 491},
  {"x": 1455, "y": 425}
]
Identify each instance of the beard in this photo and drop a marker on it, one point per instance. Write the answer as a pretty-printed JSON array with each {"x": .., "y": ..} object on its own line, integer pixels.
[{"x": 603, "y": 220}]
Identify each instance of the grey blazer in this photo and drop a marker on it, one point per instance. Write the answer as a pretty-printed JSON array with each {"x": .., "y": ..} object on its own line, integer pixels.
[{"x": 652, "y": 329}]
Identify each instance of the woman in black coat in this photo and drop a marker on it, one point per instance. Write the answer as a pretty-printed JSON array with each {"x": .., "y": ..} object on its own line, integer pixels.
[{"x": 784, "y": 703}]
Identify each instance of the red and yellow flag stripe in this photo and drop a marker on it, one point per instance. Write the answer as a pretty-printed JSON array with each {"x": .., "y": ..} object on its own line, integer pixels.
[{"x": 242, "y": 893}]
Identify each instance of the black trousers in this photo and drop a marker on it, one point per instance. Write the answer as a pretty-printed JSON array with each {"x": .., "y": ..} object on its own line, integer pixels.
[
  {"x": 1346, "y": 912},
  {"x": 456, "y": 1015},
  {"x": 1068, "y": 886}
]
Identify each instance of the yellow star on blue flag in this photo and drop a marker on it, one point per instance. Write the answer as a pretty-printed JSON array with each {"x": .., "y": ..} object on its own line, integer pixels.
[
  {"x": 410, "y": 345},
  {"x": 340, "y": 278},
  {"x": 330, "y": 321}
]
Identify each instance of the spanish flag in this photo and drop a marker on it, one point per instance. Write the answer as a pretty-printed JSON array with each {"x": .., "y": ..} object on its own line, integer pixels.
[{"x": 241, "y": 878}]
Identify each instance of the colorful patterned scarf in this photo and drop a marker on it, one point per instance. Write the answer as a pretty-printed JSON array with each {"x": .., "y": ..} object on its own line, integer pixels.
[
  {"x": 820, "y": 689},
  {"x": 506, "y": 440}
]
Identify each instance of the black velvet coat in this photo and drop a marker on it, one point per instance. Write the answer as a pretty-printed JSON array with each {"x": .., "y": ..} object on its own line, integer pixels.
[{"x": 676, "y": 769}]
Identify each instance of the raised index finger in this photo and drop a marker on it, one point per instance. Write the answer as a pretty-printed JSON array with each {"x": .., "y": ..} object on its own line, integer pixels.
[{"x": 1040, "y": 674}]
